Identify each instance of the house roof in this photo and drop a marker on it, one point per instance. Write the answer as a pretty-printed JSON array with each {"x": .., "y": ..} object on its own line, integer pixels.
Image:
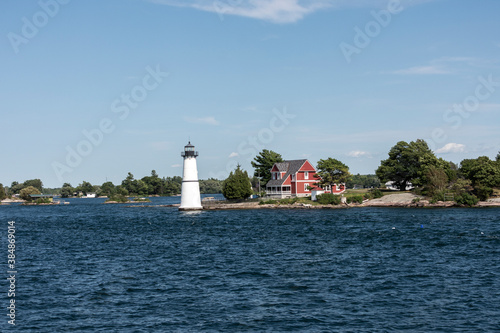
[
  {"x": 317, "y": 188},
  {"x": 290, "y": 167},
  {"x": 281, "y": 166}
]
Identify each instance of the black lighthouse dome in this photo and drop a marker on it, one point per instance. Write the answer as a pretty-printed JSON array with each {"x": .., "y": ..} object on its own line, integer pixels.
[{"x": 189, "y": 151}]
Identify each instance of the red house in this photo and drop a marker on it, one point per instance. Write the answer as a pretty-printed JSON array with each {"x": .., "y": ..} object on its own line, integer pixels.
[{"x": 295, "y": 178}]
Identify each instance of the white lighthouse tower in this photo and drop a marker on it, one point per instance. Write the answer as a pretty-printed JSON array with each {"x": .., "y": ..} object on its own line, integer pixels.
[{"x": 190, "y": 191}]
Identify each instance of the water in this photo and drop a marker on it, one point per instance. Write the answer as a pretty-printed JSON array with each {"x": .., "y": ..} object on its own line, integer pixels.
[{"x": 101, "y": 268}]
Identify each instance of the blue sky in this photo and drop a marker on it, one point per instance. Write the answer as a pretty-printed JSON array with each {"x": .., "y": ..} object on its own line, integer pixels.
[{"x": 92, "y": 90}]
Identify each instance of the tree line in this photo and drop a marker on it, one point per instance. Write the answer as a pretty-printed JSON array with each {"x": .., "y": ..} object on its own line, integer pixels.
[
  {"x": 149, "y": 185},
  {"x": 415, "y": 163}
]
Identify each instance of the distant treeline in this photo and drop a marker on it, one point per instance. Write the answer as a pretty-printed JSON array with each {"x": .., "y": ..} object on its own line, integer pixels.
[
  {"x": 149, "y": 185},
  {"x": 363, "y": 181}
]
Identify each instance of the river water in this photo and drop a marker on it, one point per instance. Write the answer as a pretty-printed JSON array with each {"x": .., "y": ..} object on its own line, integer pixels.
[{"x": 91, "y": 267}]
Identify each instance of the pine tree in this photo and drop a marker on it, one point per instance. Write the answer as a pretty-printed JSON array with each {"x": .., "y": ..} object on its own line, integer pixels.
[
  {"x": 237, "y": 185},
  {"x": 263, "y": 164}
]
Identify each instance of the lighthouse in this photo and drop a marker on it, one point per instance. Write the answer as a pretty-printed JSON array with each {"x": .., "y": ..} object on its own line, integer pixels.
[{"x": 190, "y": 191}]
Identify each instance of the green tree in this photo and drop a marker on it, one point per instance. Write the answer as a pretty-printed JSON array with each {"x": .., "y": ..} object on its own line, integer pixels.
[
  {"x": 332, "y": 171},
  {"x": 142, "y": 188},
  {"x": 172, "y": 185},
  {"x": 85, "y": 187},
  {"x": 437, "y": 179},
  {"x": 67, "y": 190},
  {"x": 27, "y": 191},
  {"x": 481, "y": 171},
  {"x": 451, "y": 171},
  {"x": 263, "y": 164},
  {"x": 409, "y": 162},
  {"x": 2, "y": 192},
  {"x": 130, "y": 184},
  {"x": 107, "y": 189},
  {"x": 154, "y": 183},
  {"x": 36, "y": 183},
  {"x": 121, "y": 191},
  {"x": 237, "y": 185},
  {"x": 15, "y": 188},
  {"x": 461, "y": 186}
]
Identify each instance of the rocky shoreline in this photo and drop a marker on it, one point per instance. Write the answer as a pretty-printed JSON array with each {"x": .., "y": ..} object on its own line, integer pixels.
[{"x": 403, "y": 200}]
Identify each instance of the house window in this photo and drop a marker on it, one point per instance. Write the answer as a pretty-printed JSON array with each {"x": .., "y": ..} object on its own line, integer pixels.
[
  {"x": 306, "y": 187},
  {"x": 306, "y": 175}
]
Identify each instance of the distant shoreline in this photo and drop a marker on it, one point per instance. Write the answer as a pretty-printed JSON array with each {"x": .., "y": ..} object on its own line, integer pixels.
[{"x": 397, "y": 200}]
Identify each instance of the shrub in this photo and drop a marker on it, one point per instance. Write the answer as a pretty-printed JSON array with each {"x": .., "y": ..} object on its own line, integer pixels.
[
  {"x": 376, "y": 193},
  {"x": 466, "y": 199},
  {"x": 439, "y": 196},
  {"x": 268, "y": 202},
  {"x": 355, "y": 198},
  {"x": 118, "y": 198},
  {"x": 288, "y": 201},
  {"x": 42, "y": 201},
  {"x": 483, "y": 192},
  {"x": 27, "y": 191},
  {"x": 328, "y": 199},
  {"x": 461, "y": 186}
]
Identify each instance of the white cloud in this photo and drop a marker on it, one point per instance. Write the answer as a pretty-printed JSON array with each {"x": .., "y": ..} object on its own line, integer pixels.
[
  {"x": 275, "y": 11},
  {"x": 202, "y": 120},
  {"x": 451, "y": 148},
  {"x": 358, "y": 153},
  {"x": 446, "y": 65},
  {"x": 176, "y": 165},
  {"x": 233, "y": 154},
  {"x": 422, "y": 70}
]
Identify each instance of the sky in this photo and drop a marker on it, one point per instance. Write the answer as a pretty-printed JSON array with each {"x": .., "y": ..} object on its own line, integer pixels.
[{"x": 91, "y": 90}]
